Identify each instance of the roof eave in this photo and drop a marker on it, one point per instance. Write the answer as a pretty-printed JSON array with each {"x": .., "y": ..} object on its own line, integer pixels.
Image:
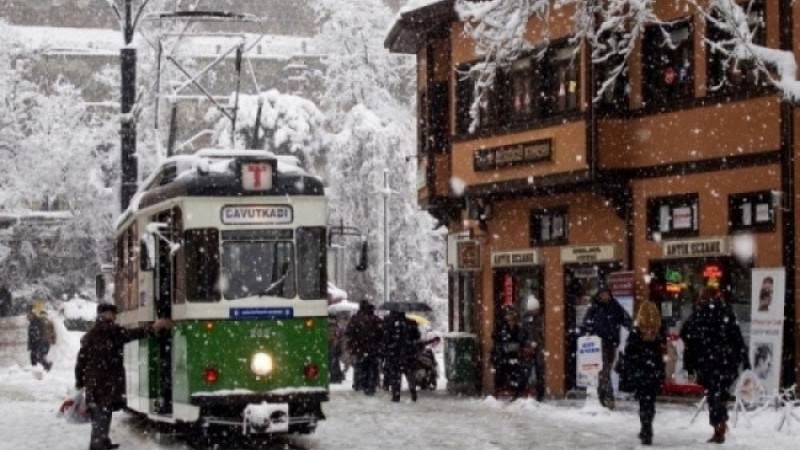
[{"x": 412, "y": 28}]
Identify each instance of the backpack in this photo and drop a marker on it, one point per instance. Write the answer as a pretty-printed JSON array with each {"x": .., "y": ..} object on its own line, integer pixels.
[{"x": 49, "y": 331}]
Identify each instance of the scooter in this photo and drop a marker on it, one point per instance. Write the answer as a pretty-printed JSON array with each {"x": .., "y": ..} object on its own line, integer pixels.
[{"x": 427, "y": 372}]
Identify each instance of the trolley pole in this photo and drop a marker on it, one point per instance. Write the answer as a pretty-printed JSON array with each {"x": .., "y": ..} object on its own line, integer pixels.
[{"x": 127, "y": 131}]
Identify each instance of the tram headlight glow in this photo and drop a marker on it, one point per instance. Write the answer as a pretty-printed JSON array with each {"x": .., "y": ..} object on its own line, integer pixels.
[{"x": 261, "y": 364}]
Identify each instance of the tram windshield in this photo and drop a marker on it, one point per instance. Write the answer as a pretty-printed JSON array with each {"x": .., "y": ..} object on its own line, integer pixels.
[{"x": 260, "y": 268}]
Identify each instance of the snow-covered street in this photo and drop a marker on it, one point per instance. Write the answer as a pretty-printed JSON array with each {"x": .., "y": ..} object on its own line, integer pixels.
[{"x": 437, "y": 421}]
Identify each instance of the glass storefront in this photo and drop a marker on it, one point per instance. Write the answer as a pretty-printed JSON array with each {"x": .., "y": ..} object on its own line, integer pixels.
[{"x": 675, "y": 285}]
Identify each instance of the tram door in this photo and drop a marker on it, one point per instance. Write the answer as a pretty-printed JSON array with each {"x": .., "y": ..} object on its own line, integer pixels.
[
  {"x": 581, "y": 282},
  {"x": 164, "y": 292}
]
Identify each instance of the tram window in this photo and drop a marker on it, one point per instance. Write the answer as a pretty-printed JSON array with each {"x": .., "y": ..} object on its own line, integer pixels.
[
  {"x": 258, "y": 268},
  {"x": 311, "y": 262},
  {"x": 201, "y": 247}
]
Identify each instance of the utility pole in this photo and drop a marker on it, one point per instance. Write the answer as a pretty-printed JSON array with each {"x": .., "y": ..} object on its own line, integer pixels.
[
  {"x": 127, "y": 131},
  {"x": 386, "y": 193}
]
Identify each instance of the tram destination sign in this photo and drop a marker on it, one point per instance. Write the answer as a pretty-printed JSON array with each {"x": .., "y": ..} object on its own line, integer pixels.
[
  {"x": 257, "y": 215},
  {"x": 261, "y": 313}
]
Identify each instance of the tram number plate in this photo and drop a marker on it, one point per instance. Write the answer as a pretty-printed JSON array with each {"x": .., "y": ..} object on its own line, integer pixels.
[{"x": 261, "y": 313}]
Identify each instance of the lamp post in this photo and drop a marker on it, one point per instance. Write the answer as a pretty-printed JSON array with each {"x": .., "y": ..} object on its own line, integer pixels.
[
  {"x": 127, "y": 131},
  {"x": 386, "y": 193}
]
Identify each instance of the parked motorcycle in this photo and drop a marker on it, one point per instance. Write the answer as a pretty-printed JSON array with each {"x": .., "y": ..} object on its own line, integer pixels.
[{"x": 427, "y": 372}]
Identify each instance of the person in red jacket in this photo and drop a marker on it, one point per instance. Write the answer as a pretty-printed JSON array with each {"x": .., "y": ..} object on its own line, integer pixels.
[{"x": 100, "y": 371}]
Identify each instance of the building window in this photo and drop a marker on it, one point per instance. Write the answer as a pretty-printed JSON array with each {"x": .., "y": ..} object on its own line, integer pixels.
[
  {"x": 753, "y": 211},
  {"x": 725, "y": 74},
  {"x": 523, "y": 84},
  {"x": 465, "y": 90},
  {"x": 549, "y": 226},
  {"x": 668, "y": 62},
  {"x": 616, "y": 95},
  {"x": 560, "y": 76},
  {"x": 674, "y": 216}
]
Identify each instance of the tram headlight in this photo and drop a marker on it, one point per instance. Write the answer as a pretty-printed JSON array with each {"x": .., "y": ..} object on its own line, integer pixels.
[{"x": 261, "y": 364}]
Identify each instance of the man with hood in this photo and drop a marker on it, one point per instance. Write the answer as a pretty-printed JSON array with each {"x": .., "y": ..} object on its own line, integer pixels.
[
  {"x": 603, "y": 319},
  {"x": 100, "y": 371},
  {"x": 40, "y": 336}
]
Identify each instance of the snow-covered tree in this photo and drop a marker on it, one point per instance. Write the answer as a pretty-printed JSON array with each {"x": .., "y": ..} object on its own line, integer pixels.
[
  {"x": 611, "y": 29},
  {"x": 369, "y": 102},
  {"x": 287, "y": 125}
]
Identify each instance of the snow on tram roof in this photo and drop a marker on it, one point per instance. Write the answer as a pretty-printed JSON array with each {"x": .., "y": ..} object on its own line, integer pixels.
[{"x": 209, "y": 160}]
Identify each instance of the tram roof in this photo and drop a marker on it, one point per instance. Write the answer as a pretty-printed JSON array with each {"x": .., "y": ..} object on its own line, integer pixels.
[{"x": 212, "y": 172}]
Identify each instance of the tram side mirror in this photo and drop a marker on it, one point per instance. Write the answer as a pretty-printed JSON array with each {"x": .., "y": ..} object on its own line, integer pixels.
[
  {"x": 100, "y": 287},
  {"x": 147, "y": 252},
  {"x": 362, "y": 257}
]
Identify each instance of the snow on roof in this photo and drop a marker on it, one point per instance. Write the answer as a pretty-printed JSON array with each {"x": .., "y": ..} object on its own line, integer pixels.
[
  {"x": 416, "y": 4},
  {"x": 108, "y": 41}
]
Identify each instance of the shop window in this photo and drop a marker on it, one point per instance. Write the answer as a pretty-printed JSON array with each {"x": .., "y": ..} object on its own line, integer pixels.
[
  {"x": 674, "y": 216},
  {"x": 560, "y": 75},
  {"x": 668, "y": 62},
  {"x": 549, "y": 226},
  {"x": 725, "y": 74},
  {"x": 753, "y": 211}
]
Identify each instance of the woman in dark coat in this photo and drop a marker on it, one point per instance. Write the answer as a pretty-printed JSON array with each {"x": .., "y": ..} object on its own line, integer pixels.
[
  {"x": 714, "y": 340},
  {"x": 644, "y": 365},
  {"x": 100, "y": 371}
]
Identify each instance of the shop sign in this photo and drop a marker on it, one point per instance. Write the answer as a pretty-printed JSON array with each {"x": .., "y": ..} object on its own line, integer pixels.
[
  {"x": 452, "y": 251},
  {"x": 516, "y": 258},
  {"x": 468, "y": 255},
  {"x": 589, "y": 360},
  {"x": 588, "y": 254},
  {"x": 695, "y": 248},
  {"x": 513, "y": 155}
]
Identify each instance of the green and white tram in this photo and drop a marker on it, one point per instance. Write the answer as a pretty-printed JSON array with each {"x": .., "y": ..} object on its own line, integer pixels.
[{"x": 230, "y": 245}]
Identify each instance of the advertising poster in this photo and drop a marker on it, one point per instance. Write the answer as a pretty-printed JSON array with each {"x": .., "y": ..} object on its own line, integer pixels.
[
  {"x": 589, "y": 360},
  {"x": 766, "y": 325}
]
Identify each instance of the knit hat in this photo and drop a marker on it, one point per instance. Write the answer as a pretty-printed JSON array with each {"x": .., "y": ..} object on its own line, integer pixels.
[
  {"x": 648, "y": 320},
  {"x": 106, "y": 307}
]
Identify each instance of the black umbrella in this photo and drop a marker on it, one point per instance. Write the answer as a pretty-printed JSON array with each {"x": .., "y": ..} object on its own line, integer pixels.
[{"x": 405, "y": 307}]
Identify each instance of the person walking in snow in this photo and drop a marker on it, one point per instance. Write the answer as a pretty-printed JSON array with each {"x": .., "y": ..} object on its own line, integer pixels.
[
  {"x": 713, "y": 338},
  {"x": 505, "y": 353},
  {"x": 364, "y": 335},
  {"x": 532, "y": 348},
  {"x": 401, "y": 341},
  {"x": 603, "y": 319},
  {"x": 644, "y": 364},
  {"x": 99, "y": 369},
  {"x": 41, "y": 335}
]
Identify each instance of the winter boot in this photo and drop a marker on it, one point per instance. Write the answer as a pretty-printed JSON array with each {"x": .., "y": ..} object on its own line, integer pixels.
[
  {"x": 719, "y": 434},
  {"x": 646, "y": 434}
]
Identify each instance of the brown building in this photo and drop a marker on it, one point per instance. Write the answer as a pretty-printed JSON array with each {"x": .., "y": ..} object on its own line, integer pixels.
[{"x": 665, "y": 178}]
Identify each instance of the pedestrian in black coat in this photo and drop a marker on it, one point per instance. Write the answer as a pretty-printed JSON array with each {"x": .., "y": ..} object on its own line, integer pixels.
[
  {"x": 532, "y": 348},
  {"x": 505, "y": 353},
  {"x": 401, "y": 341},
  {"x": 100, "y": 371},
  {"x": 644, "y": 364},
  {"x": 603, "y": 319},
  {"x": 713, "y": 338},
  {"x": 40, "y": 335},
  {"x": 364, "y": 333}
]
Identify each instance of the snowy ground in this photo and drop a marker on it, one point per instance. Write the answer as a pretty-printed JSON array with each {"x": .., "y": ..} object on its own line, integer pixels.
[{"x": 437, "y": 421}]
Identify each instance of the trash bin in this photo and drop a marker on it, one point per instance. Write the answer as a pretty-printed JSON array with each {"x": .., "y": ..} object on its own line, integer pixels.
[{"x": 461, "y": 362}]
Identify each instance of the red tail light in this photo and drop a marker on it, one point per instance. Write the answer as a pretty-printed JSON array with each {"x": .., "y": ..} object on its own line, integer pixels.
[
  {"x": 311, "y": 371},
  {"x": 210, "y": 375}
]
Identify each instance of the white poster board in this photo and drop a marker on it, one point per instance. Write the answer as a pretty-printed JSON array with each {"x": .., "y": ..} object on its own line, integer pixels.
[
  {"x": 766, "y": 326},
  {"x": 589, "y": 360}
]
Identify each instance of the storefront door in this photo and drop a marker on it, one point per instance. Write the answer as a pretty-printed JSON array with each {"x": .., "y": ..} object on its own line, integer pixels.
[{"x": 581, "y": 282}]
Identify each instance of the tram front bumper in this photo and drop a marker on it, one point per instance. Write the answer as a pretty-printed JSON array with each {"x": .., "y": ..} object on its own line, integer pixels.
[{"x": 266, "y": 418}]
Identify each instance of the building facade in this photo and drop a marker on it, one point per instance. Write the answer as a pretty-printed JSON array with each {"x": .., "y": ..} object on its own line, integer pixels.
[{"x": 680, "y": 176}]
